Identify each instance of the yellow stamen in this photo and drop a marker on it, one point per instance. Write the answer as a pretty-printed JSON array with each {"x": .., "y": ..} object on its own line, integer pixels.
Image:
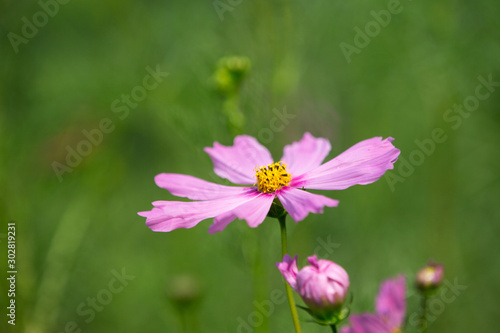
[{"x": 272, "y": 177}]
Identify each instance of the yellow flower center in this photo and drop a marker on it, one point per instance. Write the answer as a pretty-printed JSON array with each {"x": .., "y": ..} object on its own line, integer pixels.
[{"x": 272, "y": 177}]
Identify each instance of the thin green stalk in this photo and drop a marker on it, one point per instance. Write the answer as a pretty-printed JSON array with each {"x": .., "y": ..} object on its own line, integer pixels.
[
  {"x": 289, "y": 294},
  {"x": 184, "y": 320},
  {"x": 60, "y": 257},
  {"x": 259, "y": 279},
  {"x": 423, "y": 315},
  {"x": 334, "y": 328}
]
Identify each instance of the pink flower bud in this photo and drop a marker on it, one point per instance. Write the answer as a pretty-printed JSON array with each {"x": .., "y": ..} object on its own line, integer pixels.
[
  {"x": 323, "y": 285},
  {"x": 430, "y": 277}
]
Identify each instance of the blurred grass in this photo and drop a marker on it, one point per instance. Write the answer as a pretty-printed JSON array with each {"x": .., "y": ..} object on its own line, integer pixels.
[{"x": 64, "y": 81}]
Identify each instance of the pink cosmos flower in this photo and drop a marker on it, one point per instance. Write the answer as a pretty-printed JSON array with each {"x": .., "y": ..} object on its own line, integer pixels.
[
  {"x": 390, "y": 310},
  {"x": 249, "y": 163},
  {"x": 323, "y": 285}
]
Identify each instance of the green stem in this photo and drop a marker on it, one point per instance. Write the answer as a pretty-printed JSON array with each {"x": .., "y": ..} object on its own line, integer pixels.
[
  {"x": 334, "y": 328},
  {"x": 184, "y": 321},
  {"x": 289, "y": 294},
  {"x": 235, "y": 119},
  {"x": 423, "y": 315},
  {"x": 259, "y": 279}
]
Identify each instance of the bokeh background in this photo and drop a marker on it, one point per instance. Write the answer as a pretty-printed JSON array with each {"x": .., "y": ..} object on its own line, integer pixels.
[{"x": 77, "y": 231}]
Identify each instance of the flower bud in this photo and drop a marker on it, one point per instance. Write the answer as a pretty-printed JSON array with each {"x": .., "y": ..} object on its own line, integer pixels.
[
  {"x": 323, "y": 285},
  {"x": 230, "y": 73},
  {"x": 184, "y": 291},
  {"x": 430, "y": 277}
]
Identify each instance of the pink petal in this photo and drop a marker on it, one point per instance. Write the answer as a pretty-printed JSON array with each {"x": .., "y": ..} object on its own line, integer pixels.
[
  {"x": 346, "y": 329},
  {"x": 305, "y": 155},
  {"x": 253, "y": 211},
  {"x": 367, "y": 323},
  {"x": 289, "y": 270},
  {"x": 221, "y": 221},
  {"x": 322, "y": 282},
  {"x": 155, "y": 212},
  {"x": 390, "y": 304},
  {"x": 313, "y": 261},
  {"x": 237, "y": 163},
  {"x": 170, "y": 215},
  {"x": 314, "y": 288},
  {"x": 333, "y": 271},
  {"x": 195, "y": 188},
  {"x": 362, "y": 164},
  {"x": 299, "y": 203}
]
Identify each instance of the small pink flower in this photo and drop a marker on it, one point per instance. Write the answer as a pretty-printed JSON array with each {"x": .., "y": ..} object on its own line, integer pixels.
[
  {"x": 390, "y": 310},
  {"x": 323, "y": 285},
  {"x": 430, "y": 277},
  {"x": 249, "y": 163}
]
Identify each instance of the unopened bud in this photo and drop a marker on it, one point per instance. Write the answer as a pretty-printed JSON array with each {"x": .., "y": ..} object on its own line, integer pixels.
[
  {"x": 184, "y": 291},
  {"x": 323, "y": 285},
  {"x": 230, "y": 73},
  {"x": 430, "y": 277}
]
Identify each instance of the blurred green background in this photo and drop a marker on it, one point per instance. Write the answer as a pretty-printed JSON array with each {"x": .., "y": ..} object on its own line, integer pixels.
[{"x": 75, "y": 235}]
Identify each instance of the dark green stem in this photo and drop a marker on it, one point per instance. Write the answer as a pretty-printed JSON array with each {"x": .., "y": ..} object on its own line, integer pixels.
[
  {"x": 334, "y": 328},
  {"x": 289, "y": 294}
]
